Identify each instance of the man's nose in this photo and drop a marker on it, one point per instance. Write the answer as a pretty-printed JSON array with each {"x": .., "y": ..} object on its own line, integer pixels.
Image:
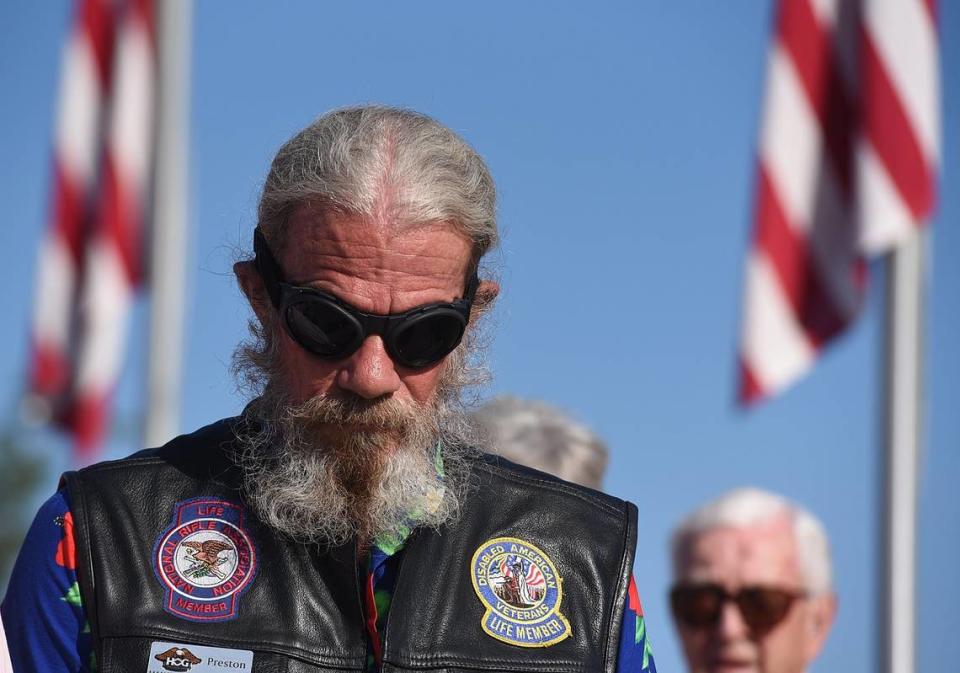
[
  {"x": 731, "y": 625},
  {"x": 370, "y": 371}
]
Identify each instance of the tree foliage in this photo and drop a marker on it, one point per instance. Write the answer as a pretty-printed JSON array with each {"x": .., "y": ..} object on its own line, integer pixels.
[{"x": 20, "y": 475}]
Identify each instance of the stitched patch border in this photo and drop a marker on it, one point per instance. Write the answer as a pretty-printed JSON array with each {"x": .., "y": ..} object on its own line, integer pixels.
[
  {"x": 205, "y": 560},
  {"x": 521, "y": 589}
]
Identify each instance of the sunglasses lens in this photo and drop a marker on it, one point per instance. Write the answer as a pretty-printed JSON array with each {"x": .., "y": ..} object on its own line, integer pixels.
[
  {"x": 697, "y": 606},
  {"x": 763, "y": 608},
  {"x": 323, "y": 328},
  {"x": 427, "y": 337}
]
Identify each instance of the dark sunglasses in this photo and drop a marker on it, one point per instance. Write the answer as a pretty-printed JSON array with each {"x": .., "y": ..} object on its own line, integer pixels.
[
  {"x": 700, "y": 605},
  {"x": 332, "y": 329}
]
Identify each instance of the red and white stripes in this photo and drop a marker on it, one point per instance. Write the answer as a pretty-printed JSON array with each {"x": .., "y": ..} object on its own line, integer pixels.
[
  {"x": 91, "y": 258},
  {"x": 84, "y": 87},
  {"x": 847, "y": 163}
]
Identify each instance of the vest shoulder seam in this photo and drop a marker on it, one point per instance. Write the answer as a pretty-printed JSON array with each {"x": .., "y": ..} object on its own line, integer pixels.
[
  {"x": 619, "y": 597},
  {"x": 558, "y": 486},
  {"x": 124, "y": 463}
]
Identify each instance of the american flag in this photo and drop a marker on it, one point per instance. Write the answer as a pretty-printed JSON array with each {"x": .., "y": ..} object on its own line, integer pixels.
[
  {"x": 530, "y": 571},
  {"x": 91, "y": 257},
  {"x": 848, "y": 155}
]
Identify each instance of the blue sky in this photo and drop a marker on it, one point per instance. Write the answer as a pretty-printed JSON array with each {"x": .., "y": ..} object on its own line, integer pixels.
[{"x": 622, "y": 140}]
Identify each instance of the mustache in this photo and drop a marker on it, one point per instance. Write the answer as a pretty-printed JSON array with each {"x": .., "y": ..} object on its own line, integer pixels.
[{"x": 382, "y": 414}]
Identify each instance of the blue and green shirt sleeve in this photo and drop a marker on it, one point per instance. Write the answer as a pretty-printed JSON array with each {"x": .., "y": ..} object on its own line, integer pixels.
[
  {"x": 45, "y": 624},
  {"x": 636, "y": 655}
]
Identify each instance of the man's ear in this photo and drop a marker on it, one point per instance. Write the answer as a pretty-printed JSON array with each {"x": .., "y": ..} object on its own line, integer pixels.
[
  {"x": 252, "y": 286},
  {"x": 822, "y": 611},
  {"x": 487, "y": 292}
]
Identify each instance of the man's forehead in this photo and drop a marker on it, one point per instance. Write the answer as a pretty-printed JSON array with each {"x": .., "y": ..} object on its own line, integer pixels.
[
  {"x": 315, "y": 237},
  {"x": 764, "y": 553}
]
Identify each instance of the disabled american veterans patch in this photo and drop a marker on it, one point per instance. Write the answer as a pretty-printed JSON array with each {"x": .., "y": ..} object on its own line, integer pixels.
[
  {"x": 521, "y": 590},
  {"x": 205, "y": 560}
]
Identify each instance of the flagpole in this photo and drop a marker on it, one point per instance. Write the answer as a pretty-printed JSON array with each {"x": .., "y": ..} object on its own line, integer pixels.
[
  {"x": 903, "y": 406},
  {"x": 169, "y": 222}
]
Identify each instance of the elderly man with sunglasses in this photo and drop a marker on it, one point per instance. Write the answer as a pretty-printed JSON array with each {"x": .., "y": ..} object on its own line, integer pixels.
[
  {"x": 346, "y": 520},
  {"x": 752, "y": 590}
]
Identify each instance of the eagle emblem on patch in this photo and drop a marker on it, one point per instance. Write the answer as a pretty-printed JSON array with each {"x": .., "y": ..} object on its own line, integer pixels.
[
  {"x": 205, "y": 560},
  {"x": 521, "y": 590}
]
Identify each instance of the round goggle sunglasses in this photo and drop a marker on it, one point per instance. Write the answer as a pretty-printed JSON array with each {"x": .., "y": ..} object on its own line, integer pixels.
[
  {"x": 699, "y": 605},
  {"x": 330, "y": 328}
]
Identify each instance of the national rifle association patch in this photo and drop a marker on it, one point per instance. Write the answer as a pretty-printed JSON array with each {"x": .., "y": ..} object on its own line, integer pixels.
[
  {"x": 205, "y": 560},
  {"x": 521, "y": 590}
]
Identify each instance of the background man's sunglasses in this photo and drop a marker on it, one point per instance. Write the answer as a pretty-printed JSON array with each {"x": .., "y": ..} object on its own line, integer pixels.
[
  {"x": 700, "y": 605},
  {"x": 332, "y": 329}
]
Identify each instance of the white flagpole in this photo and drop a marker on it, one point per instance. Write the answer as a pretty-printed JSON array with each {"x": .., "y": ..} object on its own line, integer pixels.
[
  {"x": 169, "y": 221},
  {"x": 902, "y": 434}
]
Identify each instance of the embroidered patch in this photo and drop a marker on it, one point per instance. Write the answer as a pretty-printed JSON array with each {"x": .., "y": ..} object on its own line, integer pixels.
[
  {"x": 205, "y": 560},
  {"x": 181, "y": 658},
  {"x": 521, "y": 590}
]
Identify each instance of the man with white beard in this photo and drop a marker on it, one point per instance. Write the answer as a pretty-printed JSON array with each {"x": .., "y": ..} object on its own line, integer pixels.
[{"x": 345, "y": 520}]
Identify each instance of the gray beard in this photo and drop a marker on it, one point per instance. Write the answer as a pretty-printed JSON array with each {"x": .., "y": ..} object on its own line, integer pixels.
[{"x": 332, "y": 469}]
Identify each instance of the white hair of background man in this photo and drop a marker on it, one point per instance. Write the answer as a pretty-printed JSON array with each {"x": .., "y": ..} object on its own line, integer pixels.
[
  {"x": 539, "y": 436},
  {"x": 744, "y": 507}
]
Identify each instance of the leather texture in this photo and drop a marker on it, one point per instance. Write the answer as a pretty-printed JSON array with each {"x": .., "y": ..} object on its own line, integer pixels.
[{"x": 303, "y": 610}]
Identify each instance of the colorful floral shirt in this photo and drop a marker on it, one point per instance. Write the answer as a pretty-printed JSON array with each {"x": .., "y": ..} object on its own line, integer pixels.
[{"x": 47, "y": 630}]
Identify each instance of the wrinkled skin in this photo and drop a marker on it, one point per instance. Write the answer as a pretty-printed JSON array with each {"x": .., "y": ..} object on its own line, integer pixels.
[
  {"x": 765, "y": 554},
  {"x": 377, "y": 267}
]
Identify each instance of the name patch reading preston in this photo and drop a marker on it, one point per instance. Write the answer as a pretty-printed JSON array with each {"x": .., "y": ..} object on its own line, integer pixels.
[
  {"x": 180, "y": 658},
  {"x": 205, "y": 560},
  {"x": 521, "y": 590}
]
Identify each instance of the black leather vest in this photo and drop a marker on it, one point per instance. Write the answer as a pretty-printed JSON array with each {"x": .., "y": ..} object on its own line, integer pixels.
[{"x": 302, "y": 610}]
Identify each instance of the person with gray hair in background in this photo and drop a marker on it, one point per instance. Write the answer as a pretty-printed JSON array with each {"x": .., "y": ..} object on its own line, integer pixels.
[
  {"x": 273, "y": 540},
  {"x": 752, "y": 586},
  {"x": 540, "y": 436}
]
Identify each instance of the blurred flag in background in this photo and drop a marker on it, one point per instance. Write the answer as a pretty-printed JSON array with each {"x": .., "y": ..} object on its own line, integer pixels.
[
  {"x": 848, "y": 155},
  {"x": 92, "y": 256}
]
